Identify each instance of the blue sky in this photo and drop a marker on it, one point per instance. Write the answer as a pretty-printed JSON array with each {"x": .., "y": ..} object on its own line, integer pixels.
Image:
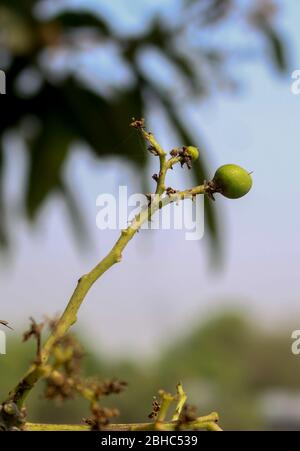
[{"x": 132, "y": 309}]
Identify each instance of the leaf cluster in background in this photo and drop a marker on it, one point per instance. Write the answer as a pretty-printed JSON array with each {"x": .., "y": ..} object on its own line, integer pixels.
[{"x": 70, "y": 109}]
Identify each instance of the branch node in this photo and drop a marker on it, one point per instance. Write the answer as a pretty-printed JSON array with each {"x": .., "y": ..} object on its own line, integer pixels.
[{"x": 138, "y": 123}]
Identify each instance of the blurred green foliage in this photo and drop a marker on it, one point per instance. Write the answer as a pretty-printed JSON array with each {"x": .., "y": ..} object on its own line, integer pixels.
[
  {"x": 67, "y": 108},
  {"x": 226, "y": 364}
]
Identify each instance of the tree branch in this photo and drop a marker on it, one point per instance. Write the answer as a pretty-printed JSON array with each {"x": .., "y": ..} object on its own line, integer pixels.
[
  {"x": 69, "y": 317},
  {"x": 207, "y": 422}
]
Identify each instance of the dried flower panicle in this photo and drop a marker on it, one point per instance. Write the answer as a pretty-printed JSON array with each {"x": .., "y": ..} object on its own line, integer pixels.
[
  {"x": 105, "y": 388},
  {"x": 155, "y": 409},
  {"x": 70, "y": 351},
  {"x": 65, "y": 380},
  {"x": 11, "y": 417},
  {"x": 67, "y": 356},
  {"x": 67, "y": 351},
  {"x": 188, "y": 414},
  {"x": 184, "y": 154},
  {"x": 170, "y": 191},
  {"x": 59, "y": 387},
  {"x": 35, "y": 330},
  {"x": 101, "y": 417},
  {"x": 113, "y": 386},
  {"x": 138, "y": 123}
]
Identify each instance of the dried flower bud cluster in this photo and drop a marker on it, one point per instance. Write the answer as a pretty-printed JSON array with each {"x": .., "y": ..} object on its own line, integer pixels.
[
  {"x": 11, "y": 418},
  {"x": 188, "y": 414},
  {"x": 187, "y": 155},
  {"x": 155, "y": 409},
  {"x": 101, "y": 417}
]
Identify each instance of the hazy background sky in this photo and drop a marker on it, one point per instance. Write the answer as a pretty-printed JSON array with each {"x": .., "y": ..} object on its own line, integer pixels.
[{"x": 165, "y": 283}]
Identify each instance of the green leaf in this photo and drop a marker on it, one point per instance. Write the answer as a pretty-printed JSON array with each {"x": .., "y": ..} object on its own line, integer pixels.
[
  {"x": 71, "y": 112},
  {"x": 21, "y": 6},
  {"x": 48, "y": 151},
  {"x": 188, "y": 70},
  {"x": 276, "y": 45},
  {"x": 77, "y": 220},
  {"x": 3, "y": 232},
  {"x": 80, "y": 19},
  {"x": 103, "y": 124}
]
